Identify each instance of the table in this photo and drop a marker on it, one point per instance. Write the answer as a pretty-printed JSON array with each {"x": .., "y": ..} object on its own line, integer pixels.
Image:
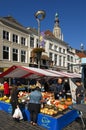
[
  {"x": 46, "y": 121},
  {"x": 82, "y": 109}
]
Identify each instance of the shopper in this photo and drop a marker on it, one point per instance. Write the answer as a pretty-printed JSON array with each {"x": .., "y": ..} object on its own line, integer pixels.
[
  {"x": 79, "y": 92},
  {"x": 6, "y": 89},
  {"x": 14, "y": 98},
  {"x": 34, "y": 104}
]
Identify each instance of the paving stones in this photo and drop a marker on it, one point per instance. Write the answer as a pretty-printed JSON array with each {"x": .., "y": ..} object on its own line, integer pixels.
[
  {"x": 7, "y": 123},
  {"x": 77, "y": 124}
]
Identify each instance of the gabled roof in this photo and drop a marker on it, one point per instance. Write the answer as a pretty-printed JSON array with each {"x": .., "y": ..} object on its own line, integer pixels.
[
  {"x": 11, "y": 22},
  {"x": 49, "y": 33},
  {"x": 81, "y": 54},
  {"x": 11, "y": 19}
]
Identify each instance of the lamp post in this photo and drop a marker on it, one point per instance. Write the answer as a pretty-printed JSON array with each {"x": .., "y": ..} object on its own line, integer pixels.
[{"x": 39, "y": 15}]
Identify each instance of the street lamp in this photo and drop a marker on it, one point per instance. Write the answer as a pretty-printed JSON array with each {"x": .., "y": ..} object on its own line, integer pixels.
[{"x": 39, "y": 15}]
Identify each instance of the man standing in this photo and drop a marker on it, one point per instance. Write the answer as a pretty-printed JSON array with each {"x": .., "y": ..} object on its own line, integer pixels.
[
  {"x": 79, "y": 92},
  {"x": 59, "y": 89}
]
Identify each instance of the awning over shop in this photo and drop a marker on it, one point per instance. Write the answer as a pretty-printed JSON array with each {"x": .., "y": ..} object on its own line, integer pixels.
[{"x": 26, "y": 72}]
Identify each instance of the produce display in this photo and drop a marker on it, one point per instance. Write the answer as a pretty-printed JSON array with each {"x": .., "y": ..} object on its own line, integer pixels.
[
  {"x": 50, "y": 106},
  {"x": 54, "y": 107},
  {"x": 5, "y": 99},
  {"x": 1, "y": 87}
]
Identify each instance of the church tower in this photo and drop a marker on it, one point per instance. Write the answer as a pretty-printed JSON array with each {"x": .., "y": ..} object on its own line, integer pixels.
[{"x": 57, "y": 29}]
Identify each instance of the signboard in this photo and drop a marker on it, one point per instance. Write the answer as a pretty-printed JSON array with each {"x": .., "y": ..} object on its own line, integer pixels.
[{"x": 73, "y": 90}]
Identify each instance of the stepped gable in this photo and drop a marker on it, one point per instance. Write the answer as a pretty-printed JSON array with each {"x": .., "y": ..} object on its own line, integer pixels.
[{"x": 7, "y": 123}]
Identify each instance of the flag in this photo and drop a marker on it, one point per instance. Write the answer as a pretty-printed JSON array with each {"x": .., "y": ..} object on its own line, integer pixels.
[{"x": 41, "y": 39}]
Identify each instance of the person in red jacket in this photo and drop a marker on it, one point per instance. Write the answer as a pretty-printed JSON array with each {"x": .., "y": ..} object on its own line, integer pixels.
[{"x": 6, "y": 89}]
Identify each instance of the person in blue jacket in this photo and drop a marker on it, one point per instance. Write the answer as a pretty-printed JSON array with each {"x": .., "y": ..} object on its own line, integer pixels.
[{"x": 34, "y": 104}]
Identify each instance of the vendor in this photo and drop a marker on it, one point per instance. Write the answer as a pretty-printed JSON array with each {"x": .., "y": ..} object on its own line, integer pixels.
[{"x": 59, "y": 89}]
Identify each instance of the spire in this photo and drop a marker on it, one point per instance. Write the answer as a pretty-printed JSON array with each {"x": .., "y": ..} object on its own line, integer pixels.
[
  {"x": 57, "y": 29},
  {"x": 56, "y": 20}
]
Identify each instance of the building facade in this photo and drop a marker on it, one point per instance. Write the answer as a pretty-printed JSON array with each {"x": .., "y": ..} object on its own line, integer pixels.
[{"x": 17, "y": 43}]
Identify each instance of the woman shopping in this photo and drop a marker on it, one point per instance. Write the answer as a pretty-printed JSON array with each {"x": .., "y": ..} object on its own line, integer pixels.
[{"x": 34, "y": 104}]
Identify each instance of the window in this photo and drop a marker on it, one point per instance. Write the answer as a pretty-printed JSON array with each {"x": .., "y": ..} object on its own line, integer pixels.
[
  {"x": 68, "y": 58},
  {"x": 15, "y": 54},
  {"x": 64, "y": 60},
  {"x": 64, "y": 51},
  {"x": 37, "y": 44},
  {"x": 60, "y": 49},
  {"x": 23, "y": 56},
  {"x": 5, "y": 35},
  {"x": 50, "y": 55},
  {"x": 60, "y": 59},
  {"x": 23, "y": 41},
  {"x": 50, "y": 46},
  {"x": 68, "y": 66},
  {"x": 15, "y": 38},
  {"x": 55, "y": 59},
  {"x": 55, "y": 48},
  {"x": 31, "y": 41},
  {"x": 71, "y": 59},
  {"x": 5, "y": 52}
]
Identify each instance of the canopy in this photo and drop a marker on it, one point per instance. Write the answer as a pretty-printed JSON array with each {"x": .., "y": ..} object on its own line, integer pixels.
[
  {"x": 31, "y": 72},
  {"x": 26, "y": 72},
  {"x": 66, "y": 74}
]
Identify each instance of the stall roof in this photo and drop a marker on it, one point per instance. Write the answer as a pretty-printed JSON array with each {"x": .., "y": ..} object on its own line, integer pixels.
[
  {"x": 27, "y": 72},
  {"x": 66, "y": 74}
]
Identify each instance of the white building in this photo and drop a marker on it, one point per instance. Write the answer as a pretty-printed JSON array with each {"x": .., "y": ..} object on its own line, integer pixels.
[{"x": 17, "y": 43}]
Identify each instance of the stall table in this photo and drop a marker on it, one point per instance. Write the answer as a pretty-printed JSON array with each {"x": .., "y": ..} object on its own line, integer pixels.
[{"x": 49, "y": 122}]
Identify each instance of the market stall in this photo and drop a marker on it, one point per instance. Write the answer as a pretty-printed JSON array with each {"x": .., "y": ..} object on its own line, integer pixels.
[
  {"x": 55, "y": 115},
  {"x": 49, "y": 122}
]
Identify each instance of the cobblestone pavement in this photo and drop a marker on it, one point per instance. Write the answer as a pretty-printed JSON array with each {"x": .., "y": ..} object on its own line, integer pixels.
[
  {"x": 7, "y": 123},
  {"x": 77, "y": 124}
]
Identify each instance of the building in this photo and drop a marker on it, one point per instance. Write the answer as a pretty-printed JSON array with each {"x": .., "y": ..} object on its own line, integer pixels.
[{"x": 17, "y": 43}]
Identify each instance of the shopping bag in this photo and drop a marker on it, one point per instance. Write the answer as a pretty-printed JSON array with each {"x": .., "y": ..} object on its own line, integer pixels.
[{"x": 18, "y": 114}]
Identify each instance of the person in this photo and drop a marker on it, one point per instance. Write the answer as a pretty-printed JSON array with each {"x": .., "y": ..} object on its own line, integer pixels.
[
  {"x": 79, "y": 92},
  {"x": 6, "y": 89},
  {"x": 14, "y": 98},
  {"x": 34, "y": 105},
  {"x": 59, "y": 89},
  {"x": 67, "y": 89}
]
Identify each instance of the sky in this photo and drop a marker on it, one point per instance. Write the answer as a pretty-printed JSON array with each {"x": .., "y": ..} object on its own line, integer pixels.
[{"x": 72, "y": 16}]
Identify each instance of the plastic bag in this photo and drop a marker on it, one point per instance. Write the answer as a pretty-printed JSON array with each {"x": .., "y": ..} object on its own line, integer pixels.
[{"x": 18, "y": 114}]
